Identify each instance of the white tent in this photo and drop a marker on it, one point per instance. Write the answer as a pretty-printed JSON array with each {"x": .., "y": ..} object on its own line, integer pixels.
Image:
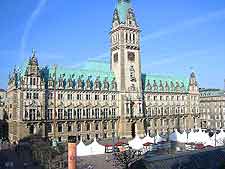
[
  {"x": 184, "y": 137},
  {"x": 211, "y": 141},
  {"x": 95, "y": 148},
  {"x": 82, "y": 149},
  {"x": 202, "y": 137},
  {"x": 192, "y": 137},
  {"x": 147, "y": 139},
  {"x": 178, "y": 137},
  {"x": 158, "y": 138},
  {"x": 220, "y": 138},
  {"x": 136, "y": 143}
]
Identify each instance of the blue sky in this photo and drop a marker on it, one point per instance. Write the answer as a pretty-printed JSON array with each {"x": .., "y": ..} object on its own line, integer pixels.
[{"x": 176, "y": 35}]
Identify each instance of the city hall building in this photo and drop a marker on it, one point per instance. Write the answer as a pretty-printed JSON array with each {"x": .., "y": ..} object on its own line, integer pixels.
[{"x": 101, "y": 99}]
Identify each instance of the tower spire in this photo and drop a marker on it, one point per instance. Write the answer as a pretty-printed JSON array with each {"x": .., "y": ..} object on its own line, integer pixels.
[{"x": 122, "y": 7}]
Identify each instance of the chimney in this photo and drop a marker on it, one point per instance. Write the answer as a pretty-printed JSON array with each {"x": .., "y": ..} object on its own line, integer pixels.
[{"x": 72, "y": 154}]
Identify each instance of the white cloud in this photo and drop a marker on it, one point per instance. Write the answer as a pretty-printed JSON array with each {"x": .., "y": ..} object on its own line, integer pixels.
[{"x": 29, "y": 24}]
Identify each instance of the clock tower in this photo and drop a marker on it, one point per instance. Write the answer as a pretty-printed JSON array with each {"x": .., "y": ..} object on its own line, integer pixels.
[{"x": 126, "y": 62}]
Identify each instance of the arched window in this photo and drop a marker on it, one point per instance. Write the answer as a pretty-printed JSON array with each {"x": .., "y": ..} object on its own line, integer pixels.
[
  {"x": 31, "y": 81},
  {"x": 34, "y": 81}
]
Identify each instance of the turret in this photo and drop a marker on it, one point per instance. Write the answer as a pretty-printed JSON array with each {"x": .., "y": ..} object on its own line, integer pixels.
[{"x": 193, "y": 84}]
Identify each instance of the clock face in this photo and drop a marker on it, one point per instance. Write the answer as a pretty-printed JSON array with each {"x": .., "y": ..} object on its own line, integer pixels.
[{"x": 131, "y": 56}]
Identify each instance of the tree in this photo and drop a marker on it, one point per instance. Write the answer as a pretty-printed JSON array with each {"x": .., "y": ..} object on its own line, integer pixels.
[{"x": 126, "y": 158}]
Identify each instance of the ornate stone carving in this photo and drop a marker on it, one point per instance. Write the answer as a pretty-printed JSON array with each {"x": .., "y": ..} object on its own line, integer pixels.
[
  {"x": 166, "y": 86},
  {"x": 148, "y": 86},
  {"x": 114, "y": 84},
  {"x": 70, "y": 82},
  {"x": 61, "y": 82},
  {"x": 172, "y": 86},
  {"x": 155, "y": 86},
  {"x": 88, "y": 83},
  {"x": 79, "y": 83},
  {"x": 106, "y": 84},
  {"x": 132, "y": 74},
  {"x": 161, "y": 86},
  {"x": 97, "y": 84}
]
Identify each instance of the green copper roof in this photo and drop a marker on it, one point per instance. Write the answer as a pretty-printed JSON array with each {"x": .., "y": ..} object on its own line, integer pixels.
[
  {"x": 159, "y": 79},
  {"x": 91, "y": 69},
  {"x": 122, "y": 8},
  {"x": 211, "y": 92}
]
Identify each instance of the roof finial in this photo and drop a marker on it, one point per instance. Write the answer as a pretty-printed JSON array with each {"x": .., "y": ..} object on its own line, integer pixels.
[
  {"x": 192, "y": 69},
  {"x": 128, "y": 1},
  {"x": 33, "y": 52}
]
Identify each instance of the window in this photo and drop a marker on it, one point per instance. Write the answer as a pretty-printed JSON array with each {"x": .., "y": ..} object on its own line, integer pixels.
[
  {"x": 50, "y": 96},
  {"x": 60, "y": 114},
  {"x": 49, "y": 126},
  {"x": 155, "y": 98},
  {"x": 32, "y": 115},
  {"x": 161, "y": 98},
  {"x": 105, "y": 113},
  {"x": 105, "y": 97},
  {"x": 70, "y": 114},
  {"x": 96, "y": 97},
  {"x": 105, "y": 125},
  {"x": 60, "y": 96},
  {"x": 35, "y": 95},
  {"x": 69, "y": 127},
  {"x": 60, "y": 129},
  {"x": 131, "y": 56},
  {"x": 96, "y": 126},
  {"x": 88, "y": 97},
  {"x": 49, "y": 115},
  {"x": 88, "y": 137},
  {"x": 84, "y": 113},
  {"x": 97, "y": 113},
  {"x": 114, "y": 112},
  {"x": 29, "y": 95},
  {"x": 34, "y": 81},
  {"x": 69, "y": 97},
  {"x": 113, "y": 97},
  {"x": 115, "y": 57},
  {"x": 79, "y": 111},
  {"x": 167, "y": 98},
  {"x": 88, "y": 111},
  {"x": 79, "y": 97},
  {"x": 78, "y": 128},
  {"x": 88, "y": 126},
  {"x": 31, "y": 81}
]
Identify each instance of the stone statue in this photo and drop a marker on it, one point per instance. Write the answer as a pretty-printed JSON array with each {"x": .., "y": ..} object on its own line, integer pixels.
[{"x": 106, "y": 84}]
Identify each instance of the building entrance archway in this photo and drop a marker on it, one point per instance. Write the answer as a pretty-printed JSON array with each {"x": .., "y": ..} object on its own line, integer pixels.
[{"x": 133, "y": 130}]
